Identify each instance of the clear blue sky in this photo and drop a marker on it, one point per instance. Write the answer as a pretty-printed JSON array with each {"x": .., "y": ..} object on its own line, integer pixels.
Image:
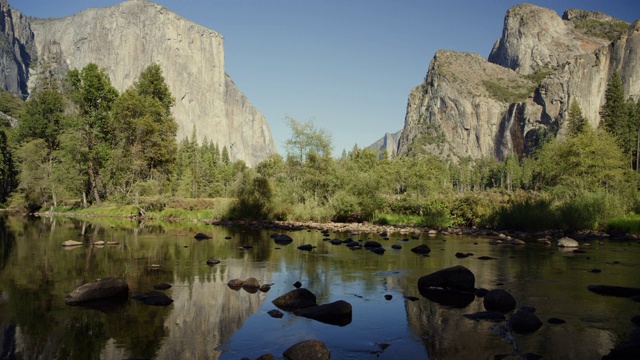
[{"x": 348, "y": 65}]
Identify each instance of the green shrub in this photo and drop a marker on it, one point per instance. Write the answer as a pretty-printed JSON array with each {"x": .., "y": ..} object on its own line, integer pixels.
[
  {"x": 629, "y": 224},
  {"x": 589, "y": 210},
  {"x": 526, "y": 214},
  {"x": 475, "y": 209}
]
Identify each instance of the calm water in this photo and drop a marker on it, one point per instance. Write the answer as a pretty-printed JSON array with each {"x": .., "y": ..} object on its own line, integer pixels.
[{"x": 208, "y": 320}]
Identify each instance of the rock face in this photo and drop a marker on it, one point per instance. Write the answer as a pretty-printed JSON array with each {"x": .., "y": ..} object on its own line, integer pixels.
[
  {"x": 472, "y": 107},
  {"x": 454, "y": 113},
  {"x": 125, "y": 39},
  {"x": 16, "y": 47},
  {"x": 387, "y": 145}
]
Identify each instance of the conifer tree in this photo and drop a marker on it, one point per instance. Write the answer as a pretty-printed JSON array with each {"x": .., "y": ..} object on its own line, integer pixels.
[{"x": 576, "y": 121}]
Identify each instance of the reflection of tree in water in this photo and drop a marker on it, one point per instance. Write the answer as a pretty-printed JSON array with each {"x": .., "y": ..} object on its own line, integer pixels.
[{"x": 7, "y": 241}]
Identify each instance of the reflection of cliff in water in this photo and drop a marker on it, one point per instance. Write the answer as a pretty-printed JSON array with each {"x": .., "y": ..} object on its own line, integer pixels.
[{"x": 205, "y": 313}]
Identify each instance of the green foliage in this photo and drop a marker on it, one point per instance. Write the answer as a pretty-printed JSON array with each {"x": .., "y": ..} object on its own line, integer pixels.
[
  {"x": 628, "y": 224},
  {"x": 34, "y": 188},
  {"x": 576, "y": 121},
  {"x": 146, "y": 134},
  {"x": 476, "y": 209},
  {"x": 586, "y": 162},
  {"x": 10, "y": 105},
  {"x": 539, "y": 74},
  {"x": 7, "y": 169},
  {"x": 620, "y": 118},
  {"x": 151, "y": 83},
  {"x": 528, "y": 214},
  {"x": 255, "y": 196},
  {"x": 507, "y": 92},
  {"x": 307, "y": 139},
  {"x": 94, "y": 96},
  {"x": 609, "y": 30},
  {"x": 589, "y": 210}
]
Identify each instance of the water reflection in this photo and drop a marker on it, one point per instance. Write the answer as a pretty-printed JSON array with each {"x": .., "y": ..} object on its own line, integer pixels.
[{"x": 209, "y": 320}]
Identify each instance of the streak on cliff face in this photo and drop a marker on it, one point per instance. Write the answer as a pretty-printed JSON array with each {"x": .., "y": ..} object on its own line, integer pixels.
[{"x": 126, "y": 38}]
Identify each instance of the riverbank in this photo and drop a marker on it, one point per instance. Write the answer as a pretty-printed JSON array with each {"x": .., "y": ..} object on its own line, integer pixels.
[{"x": 354, "y": 228}]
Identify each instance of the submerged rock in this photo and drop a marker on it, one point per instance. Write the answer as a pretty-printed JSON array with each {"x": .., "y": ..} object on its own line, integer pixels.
[
  {"x": 251, "y": 283},
  {"x": 499, "y": 300},
  {"x": 163, "y": 286},
  {"x": 568, "y": 242},
  {"x": 235, "y": 283},
  {"x": 213, "y": 261},
  {"x": 524, "y": 321},
  {"x": 619, "y": 291},
  {"x": 201, "y": 236},
  {"x": 71, "y": 243},
  {"x": 99, "y": 289},
  {"x": 154, "y": 298},
  {"x": 454, "y": 278},
  {"x": 275, "y": 313},
  {"x": 421, "y": 249},
  {"x": 295, "y": 299},
  {"x": 305, "y": 247},
  {"x": 335, "y": 313},
  {"x": 556, "y": 321},
  {"x": 307, "y": 350},
  {"x": 372, "y": 244},
  {"x": 282, "y": 239}
]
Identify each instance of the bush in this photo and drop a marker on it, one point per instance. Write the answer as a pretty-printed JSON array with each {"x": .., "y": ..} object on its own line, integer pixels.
[
  {"x": 475, "y": 209},
  {"x": 526, "y": 214},
  {"x": 255, "y": 195},
  {"x": 589, "y": 210}
]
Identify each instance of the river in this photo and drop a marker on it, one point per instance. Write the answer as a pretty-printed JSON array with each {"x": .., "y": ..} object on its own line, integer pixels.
[{"x": 209, "y": 320}]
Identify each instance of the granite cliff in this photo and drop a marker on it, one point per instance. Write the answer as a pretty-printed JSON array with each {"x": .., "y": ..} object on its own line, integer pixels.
[
  {"x": 125, "y": 39},
  {"x": 16, "y": 49},
  {"x": 473, "y": 107},
  {"x": 387, "y": 144}
]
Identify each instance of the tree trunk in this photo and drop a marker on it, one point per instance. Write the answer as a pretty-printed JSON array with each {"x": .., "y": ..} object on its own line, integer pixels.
[
  {"x": 92, "y": 182},
  {"x": 638, "y": 152}
]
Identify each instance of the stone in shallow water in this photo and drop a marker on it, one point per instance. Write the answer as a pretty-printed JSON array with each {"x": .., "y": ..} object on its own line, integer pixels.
[
  {"x": 163, "y": 286},
  {"x": 295, "y": 299},
  {"x": 100, "y": 289},
  {"x": 556, "y": 321},
  {"x": 335, "y": 313},
  {"x": 155, "y": 298},
  {"x": 499, "y": 300},
  {"x": 523, "y": 321},
  {"x": 71, "y": 243},
  {"x": 421, "y": 249},
  {"x": 307, "y": 350},
  {"x": 275, "y": 313},
  {"x": 610, "y": 290}
]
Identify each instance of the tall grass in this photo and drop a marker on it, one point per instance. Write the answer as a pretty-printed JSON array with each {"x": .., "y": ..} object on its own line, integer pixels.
[{"x": 629, "y": 224}]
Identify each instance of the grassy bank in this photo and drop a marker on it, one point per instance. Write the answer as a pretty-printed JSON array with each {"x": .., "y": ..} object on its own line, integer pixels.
[{"x": 525, "y": 211}]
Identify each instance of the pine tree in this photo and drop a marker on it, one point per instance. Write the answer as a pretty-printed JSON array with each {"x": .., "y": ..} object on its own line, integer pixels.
[
  {"x": 616, "y": 118},
  {"x": 576, "y": 121}
]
